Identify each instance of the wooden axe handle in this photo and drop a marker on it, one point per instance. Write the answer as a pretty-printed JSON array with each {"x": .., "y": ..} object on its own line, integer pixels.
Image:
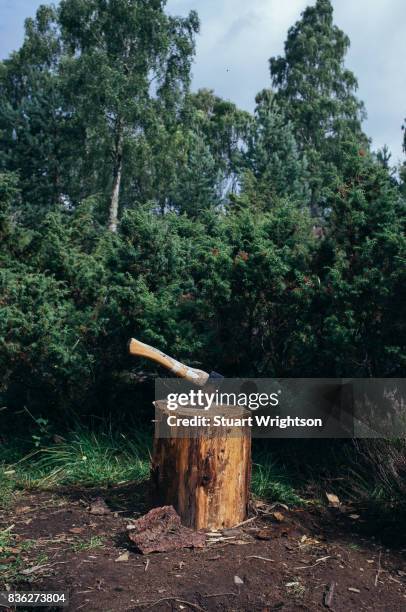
[{"x": 140, "y": 349}]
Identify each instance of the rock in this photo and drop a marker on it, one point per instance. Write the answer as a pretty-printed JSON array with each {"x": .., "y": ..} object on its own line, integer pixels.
[{"x": 160, "y": 530}]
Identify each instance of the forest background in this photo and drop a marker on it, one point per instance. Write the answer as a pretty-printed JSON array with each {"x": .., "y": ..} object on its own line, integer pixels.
[{"x": 266, "y": 244}]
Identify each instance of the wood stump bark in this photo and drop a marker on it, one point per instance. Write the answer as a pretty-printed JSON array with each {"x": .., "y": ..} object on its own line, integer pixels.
[{"x": 204, "y": 473}]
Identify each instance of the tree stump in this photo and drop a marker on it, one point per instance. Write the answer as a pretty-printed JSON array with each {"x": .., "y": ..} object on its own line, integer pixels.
[{"x": 204, "y": 473}]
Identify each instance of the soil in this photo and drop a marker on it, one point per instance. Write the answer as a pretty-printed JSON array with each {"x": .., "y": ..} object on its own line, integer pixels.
[{"x": 281, "y": 560}]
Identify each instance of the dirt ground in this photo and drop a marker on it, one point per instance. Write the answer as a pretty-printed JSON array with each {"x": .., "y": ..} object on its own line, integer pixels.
[{"x": 268, "y": 564}]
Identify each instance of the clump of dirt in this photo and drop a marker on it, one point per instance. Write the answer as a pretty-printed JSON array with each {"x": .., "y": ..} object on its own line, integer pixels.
[{"x": 289, "y": 560}]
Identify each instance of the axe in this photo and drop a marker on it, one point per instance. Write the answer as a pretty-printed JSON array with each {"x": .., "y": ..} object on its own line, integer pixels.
[{"x": 198, "y": 377}]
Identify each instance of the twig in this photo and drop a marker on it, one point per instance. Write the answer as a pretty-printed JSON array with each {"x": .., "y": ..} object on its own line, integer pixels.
[
  {"x": 146, "y": 565},
  {"x": 258, "y": 557},
  {"x": 37, "y": 568},
  {"x": 379, "y": 569},
  {"x": 222, "y": 539},
  {"x": 253, "y": 518},
  {"x": 314, "y": 564}
]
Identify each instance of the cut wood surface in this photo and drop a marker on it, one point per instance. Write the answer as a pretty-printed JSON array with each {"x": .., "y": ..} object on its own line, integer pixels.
[{"x": 205, "y": 476}]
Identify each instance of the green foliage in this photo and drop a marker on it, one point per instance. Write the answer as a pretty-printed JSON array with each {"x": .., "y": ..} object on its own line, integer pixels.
[
  {"x": 362, "y": 271},
  {"x": 91, "y": 544},
  {"x": 270, "y": 482},
  {"x": 317, "y": 93},
  {"x": 38, "y": 139},
  {"x": 82, "y": 457},
  {"x": 114, "y": 53},
  {"x": 273, "y": 156}
]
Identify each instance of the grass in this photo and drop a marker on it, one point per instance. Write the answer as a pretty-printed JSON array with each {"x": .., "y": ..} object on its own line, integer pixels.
[
  {"x": 7, "y": 488},
  {"x": 94, "y": 542},
  {"x": 271, "y": 481},
  {"x": 104, "y": 458},
  {"x": 11, "y": 556},
  {"x": 269, "y": 484},
  {"x": 85, "y": 458}
]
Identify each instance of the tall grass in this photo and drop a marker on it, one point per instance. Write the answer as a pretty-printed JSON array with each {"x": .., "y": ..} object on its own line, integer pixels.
[
  {"x": 83, "y": 457},
  {"x": 103, "y": 457},
  {"x": 272, "y": 481},
  {"x": 268, "y": 484}
]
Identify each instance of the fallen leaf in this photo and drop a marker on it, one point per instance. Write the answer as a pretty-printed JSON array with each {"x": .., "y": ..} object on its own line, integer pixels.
[
  {"x": 237, "y": 580},
  {"x": 354, "y": 516},
  {"x": 23, "y": 509},
  {"x": 124, "y": 557},
  {"x": 333, "y": 500},
  {"x": 76, "y": 530},
  {"x": 263, "y": 534},
  {"x": 278, "y": 516}
]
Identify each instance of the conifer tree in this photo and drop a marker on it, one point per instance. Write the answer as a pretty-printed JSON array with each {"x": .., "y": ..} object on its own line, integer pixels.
[
  {"x": 273, "y": 156},
  {"x": 317, "y": 93},
  {"x": 362, "y": 268}
]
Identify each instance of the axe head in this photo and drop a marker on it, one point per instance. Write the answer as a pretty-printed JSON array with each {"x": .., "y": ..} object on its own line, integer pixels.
[{"x": 214, "y": 377}]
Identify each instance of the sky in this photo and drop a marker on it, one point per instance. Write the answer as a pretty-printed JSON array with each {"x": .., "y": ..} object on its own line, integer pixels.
[{"x": 237, "y": 39}]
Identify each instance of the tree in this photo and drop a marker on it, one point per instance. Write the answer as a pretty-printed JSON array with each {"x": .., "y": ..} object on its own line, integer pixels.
[
  {"x": 359, "y": 313},
  {"x": 224, "y": 129},
  {"x": 120, "y": 53},
  {"x": 9, "y": 194},
  {"x": 317, "y": 94},
  {"x": 38, "y": 138},
  {"x": 272, "y": 154},
  {"x": 172, "y": 167}
]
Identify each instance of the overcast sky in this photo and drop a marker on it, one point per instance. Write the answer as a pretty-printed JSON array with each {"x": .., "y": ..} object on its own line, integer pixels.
[{"x": 238, "y": 37}]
